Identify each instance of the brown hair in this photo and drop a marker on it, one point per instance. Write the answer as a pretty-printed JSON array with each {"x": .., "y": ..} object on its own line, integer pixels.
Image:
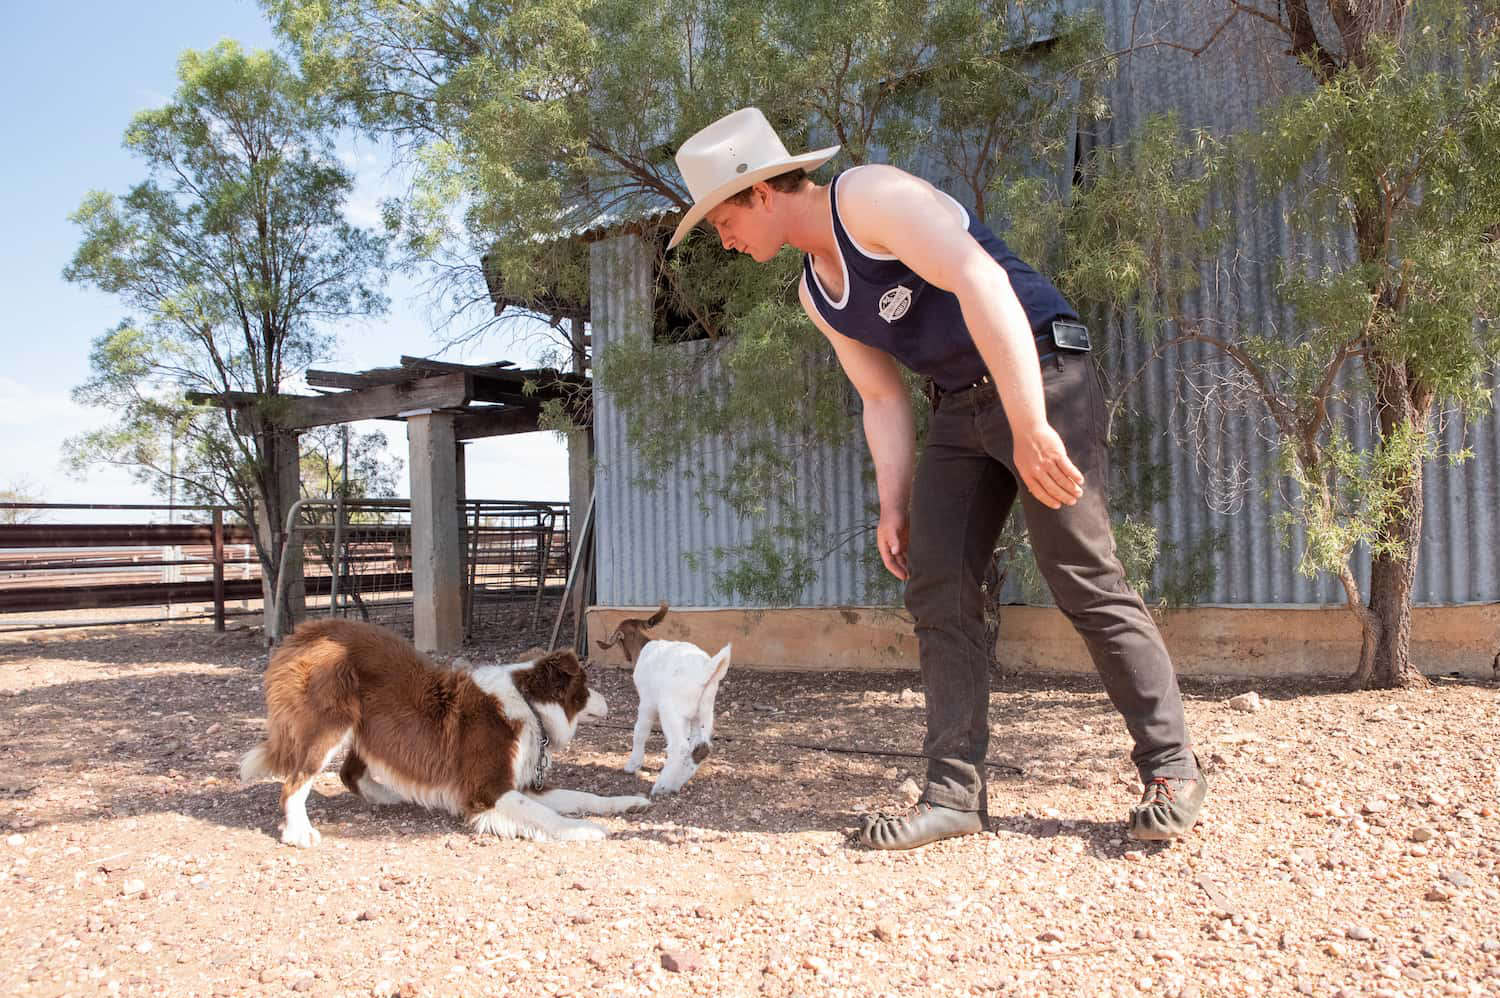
[{"x": 786, "y": 183}]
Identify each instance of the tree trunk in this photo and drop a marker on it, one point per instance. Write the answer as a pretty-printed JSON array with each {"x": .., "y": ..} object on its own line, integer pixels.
[{"x": 1387, "y": 663}]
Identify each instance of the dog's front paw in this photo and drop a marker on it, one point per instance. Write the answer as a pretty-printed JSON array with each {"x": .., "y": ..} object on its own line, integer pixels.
[
  {"x": 664, "y": 788},
  {"x": 580, "y": 831},
  {"x": 301, "y": 836},
  {"x": 624, "y": 805}
]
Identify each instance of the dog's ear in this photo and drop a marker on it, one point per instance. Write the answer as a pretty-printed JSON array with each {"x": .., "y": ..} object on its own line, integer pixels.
[{"x": 564, "y": 662}]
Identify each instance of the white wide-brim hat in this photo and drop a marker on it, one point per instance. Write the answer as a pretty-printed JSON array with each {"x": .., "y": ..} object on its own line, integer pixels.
[{"x": 730, "y": 155}]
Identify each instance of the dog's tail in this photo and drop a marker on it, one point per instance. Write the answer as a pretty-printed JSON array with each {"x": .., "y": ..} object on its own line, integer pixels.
[{"x": 256, "y": 765}]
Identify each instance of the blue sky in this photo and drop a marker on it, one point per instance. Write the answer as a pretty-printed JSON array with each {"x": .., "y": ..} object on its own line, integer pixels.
[{"x": 73, "y": 75}]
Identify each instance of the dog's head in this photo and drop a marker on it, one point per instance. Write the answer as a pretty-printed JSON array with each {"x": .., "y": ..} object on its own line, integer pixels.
[
  {"x": 631, "y": 633},
  {"x": 557, "y": 688}
]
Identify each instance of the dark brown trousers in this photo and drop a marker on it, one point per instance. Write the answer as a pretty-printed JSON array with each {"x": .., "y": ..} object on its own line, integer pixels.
[{"x": 965, "y": 486}]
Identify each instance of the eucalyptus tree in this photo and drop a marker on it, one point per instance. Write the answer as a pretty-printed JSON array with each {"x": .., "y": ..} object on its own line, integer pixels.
[
  {"x": 1384, "y": 162},
  {"x": 236, "y": 261}
]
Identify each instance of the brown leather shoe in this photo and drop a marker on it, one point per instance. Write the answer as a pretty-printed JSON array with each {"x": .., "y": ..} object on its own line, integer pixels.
[
  {"x": 919, "y": 825},
  {"x": 1168, "y": 809}
]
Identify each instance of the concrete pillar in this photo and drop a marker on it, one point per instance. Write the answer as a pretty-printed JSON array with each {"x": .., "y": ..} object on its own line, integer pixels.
[
  {"x": 284, "y": 486},
  {"x": 436, "y": 537}
]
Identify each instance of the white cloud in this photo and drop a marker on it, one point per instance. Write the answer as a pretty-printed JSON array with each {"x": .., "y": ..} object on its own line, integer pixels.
[{"x": 34, "y": 424}]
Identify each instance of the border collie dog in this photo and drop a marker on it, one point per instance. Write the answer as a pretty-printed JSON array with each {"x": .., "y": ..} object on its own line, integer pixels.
[
  {"x": 474, "y": 744},
  {"x": 678, "y": 683}
]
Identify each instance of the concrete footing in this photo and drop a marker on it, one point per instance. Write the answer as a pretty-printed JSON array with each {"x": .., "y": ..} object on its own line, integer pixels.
[{"x": 1204, "y": 641}]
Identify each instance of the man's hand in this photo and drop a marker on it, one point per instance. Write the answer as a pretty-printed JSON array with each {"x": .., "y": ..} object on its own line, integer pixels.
[
  {"x": 1042, "y": 461},
  {"x": 891, "y": 536}
]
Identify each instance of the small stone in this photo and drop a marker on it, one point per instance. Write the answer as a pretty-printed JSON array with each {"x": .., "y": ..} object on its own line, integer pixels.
[
  {"x": 1360, "y": 933},
  {"x": 911, "y": 791},
  {"x": 144, "y": 946},
  {"x": 1458, "y": 879},
  {"x": 1489, "y": 946},
  {"x": 1246, "y": 703},
  {"x": 679, "y": 962},
  {"x": 133, "y": 887},
  {"x": 303, "y": 984},
  {"x": 1167, "y": 956},
  {"x": 1374, "y": 806},
  {"x": 1438, "y": 892},
  {"x": 16, "y": 841},
  {"x": 908, "y": 697},
  {"x": 1422, "y": 834},
  {"x": 886, "y": 930},
  {"x": 816, "y": 964},
  {"x": 384, "y": 989},
  {"x": 1051, "y": 936}
]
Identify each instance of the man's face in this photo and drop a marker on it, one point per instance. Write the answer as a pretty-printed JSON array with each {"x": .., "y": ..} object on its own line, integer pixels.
[{"x": 747, "y": 228}]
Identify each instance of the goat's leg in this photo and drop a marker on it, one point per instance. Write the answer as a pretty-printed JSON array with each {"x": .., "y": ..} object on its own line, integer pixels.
[
  {"x": 643, "y": 721},
  {"x": 680, "y": 765}
]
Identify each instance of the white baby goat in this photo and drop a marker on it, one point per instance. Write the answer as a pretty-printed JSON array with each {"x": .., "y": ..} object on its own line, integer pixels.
[{"x": 677, "y": 683}]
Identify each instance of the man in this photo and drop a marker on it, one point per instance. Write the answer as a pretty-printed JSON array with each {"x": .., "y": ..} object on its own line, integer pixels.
[{"x": 896, "y": 270}]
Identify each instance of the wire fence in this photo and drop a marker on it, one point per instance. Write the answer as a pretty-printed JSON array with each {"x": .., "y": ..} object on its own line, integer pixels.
[{"x": 355, "y": 558}]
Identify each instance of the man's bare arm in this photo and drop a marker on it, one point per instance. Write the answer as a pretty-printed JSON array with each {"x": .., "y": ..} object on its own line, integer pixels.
[
  {"x": 894, "y": 212},
  {"x": 889, "y": 432}
]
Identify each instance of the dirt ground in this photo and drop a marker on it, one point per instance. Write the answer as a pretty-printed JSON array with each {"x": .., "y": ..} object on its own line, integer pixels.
[{"x": 1351, "y": 846}]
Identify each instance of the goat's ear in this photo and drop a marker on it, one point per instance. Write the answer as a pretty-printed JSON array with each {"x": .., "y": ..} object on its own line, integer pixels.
[{"x": 720, "y": 664}]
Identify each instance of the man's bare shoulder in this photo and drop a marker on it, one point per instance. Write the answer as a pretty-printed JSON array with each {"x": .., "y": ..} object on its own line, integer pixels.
[
  {"x": 875, "y": 180},
  {"x": 878, "y": 201}
]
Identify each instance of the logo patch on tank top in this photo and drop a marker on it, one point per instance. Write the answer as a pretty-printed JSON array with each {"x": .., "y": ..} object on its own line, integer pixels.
[{"x": 895, "y": 302}]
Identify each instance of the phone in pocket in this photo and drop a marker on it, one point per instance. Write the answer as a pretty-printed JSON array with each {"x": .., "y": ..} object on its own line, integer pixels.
[{"x": 1071, "y": 336}]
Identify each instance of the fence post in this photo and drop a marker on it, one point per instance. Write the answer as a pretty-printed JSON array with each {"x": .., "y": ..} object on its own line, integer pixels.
[
  {"x": 337, "y": 561},
  {"x": 218, "y": 570}
]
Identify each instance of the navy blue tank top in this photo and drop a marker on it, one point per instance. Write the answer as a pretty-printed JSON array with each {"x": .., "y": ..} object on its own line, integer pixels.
[{"x": 886, "y": 305}]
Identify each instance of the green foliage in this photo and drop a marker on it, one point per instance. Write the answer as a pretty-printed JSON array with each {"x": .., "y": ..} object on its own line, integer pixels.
[
  {"x": 1132, "y": 237},
  {"x": 235, "y": 256}
]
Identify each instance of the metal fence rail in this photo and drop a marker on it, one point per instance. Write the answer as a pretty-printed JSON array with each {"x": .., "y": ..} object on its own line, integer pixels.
[{"x": 355, "y": 559}]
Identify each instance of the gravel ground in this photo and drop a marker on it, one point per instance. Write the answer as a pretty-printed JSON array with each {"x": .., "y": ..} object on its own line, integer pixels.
[{"x": 1351, "y": 846}]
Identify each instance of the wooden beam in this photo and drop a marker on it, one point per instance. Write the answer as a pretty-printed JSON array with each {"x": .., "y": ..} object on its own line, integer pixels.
[
  {"x": 339, "y": 379},
  {"x": 496, "y": 421},
  {"x": 447, "y": 391},
  {"x": 427, "y": 363}
]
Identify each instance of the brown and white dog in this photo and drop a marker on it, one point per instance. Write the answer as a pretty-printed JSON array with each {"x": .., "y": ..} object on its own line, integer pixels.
[{"x": 474, "y": 744}]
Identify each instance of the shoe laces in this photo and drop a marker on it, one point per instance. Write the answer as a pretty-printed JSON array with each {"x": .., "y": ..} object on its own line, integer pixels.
[
  {"x": 920, "y": 807},
  {"x": 1159, "y": 787}
]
